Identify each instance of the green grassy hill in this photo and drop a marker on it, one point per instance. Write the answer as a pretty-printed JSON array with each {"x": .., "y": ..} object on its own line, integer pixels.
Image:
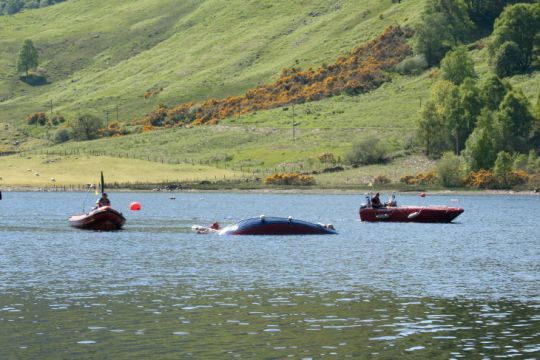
[{"x": 99, "y": 54}]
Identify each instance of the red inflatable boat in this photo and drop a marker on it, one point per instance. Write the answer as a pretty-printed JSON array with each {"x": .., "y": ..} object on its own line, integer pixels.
[
  {"x": 104, "y": 218},
  {"x": 421, "y": 214}
]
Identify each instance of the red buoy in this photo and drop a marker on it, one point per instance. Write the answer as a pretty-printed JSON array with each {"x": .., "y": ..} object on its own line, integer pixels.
[{"x": 135, "y": 206}]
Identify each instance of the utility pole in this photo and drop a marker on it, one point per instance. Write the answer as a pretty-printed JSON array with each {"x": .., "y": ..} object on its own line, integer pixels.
[
  {"x": 51, "y": 105},
  {"x": 117, "y": 113},
  {"x": 107, "y": 114},
  {"x": 293, "y": 129}
]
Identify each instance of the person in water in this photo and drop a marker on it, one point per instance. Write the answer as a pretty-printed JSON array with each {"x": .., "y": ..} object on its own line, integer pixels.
[
  {"x": 376, "y": 201},
  {"x": 103, "y": 201}
]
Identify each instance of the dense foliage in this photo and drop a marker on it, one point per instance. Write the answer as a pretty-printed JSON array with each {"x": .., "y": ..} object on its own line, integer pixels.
[
  {"x": 364, "y": 69},
  {"x": 446, "y": 24},
  {"x": 9, "y": 7},
  {"x": 515, "y": 38}
]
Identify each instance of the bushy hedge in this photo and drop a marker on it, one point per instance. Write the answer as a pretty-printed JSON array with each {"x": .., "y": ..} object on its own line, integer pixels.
[
  {"x": 426, "y": 178},
  {"x": 290, "y": 179}
]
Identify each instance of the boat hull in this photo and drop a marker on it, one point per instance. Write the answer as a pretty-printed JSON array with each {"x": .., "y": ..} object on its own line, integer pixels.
[
  {"x": 419, "y": 214},
  {"x": 276, "y": 226},
  {"x": 103, "y": 219}
]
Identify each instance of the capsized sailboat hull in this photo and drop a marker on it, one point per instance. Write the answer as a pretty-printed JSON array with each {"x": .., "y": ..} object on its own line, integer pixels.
[{"x": 276, "y": 226}]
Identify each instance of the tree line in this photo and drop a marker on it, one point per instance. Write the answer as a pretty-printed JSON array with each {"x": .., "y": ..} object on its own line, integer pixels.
[
  {"x": 446, "y": 24},
  {"x": 10, "y": 7},
  {"x": 489, "y": 125}
]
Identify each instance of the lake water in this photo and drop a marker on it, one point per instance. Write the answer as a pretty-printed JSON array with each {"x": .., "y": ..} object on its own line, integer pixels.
[{"x": 470, "y": 289}]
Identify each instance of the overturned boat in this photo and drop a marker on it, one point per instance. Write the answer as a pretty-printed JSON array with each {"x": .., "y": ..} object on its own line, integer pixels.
[
  {"x": 104, "y": 218},
  {"x": 270, "y": 226},
  {"x": 420, "y": 214}
]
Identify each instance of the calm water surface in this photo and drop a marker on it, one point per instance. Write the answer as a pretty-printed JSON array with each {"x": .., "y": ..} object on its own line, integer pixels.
[{"x": 465, "y": 290}]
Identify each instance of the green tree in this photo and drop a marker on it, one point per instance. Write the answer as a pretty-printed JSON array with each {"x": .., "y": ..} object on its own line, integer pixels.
[
  {"x": 457, "y": 17},
  {"x": 537, "y": 108},
  {"x": 471, "y": 103},
  {"x": 492, "y": 92},
  {"x": 432, "y": 38},
  {"x": 503, "y": 167},
  {"x": 484, "y": 12},
  {"x": 442, "y": 122},
  {"x": 86, "y": 127},
  {"x": 13, "y": 6},
  {"x": 457, "y": 65},
  {"x": 443, "y": 25},
  {"x": 519, "y": 23},
  {"x": 28, "y": 57},
  {"x": 507, "y": 59},
  {"x": 515, "y": 122},
  {"x": 483, "y": 144}
]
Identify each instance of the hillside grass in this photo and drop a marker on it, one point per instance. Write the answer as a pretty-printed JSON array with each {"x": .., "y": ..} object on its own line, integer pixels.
[
  {"x": 99, "y": 54},
  {"x": 263, "y": 141}
]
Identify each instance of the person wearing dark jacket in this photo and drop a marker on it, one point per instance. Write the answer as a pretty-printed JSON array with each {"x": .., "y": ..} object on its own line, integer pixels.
[{"x": 376, "y": 201}]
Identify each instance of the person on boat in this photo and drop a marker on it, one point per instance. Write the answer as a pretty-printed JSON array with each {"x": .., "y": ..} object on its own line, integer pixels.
[
  {"x": 376, "y": 201},
  {"x": 215, "y": 226},
  {"x": 103, "y": 201},
  {"x": 392, "y": 202}
]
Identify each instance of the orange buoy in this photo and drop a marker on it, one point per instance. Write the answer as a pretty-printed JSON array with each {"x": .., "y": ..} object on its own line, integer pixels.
[{"x": 135, "y": 206}]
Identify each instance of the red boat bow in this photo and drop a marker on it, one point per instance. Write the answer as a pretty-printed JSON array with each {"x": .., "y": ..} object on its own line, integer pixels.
[{"x": 104, "y": 218}]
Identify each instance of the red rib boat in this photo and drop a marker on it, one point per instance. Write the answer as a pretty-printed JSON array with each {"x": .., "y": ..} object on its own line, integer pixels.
[
  {"x": 104, "y": 218},
  {"x": 420, "y": 214}
]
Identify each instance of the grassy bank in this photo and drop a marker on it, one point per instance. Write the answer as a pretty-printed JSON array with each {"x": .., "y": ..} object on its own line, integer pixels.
[
  {"x": 39, "y": 170},
  {"x": 49, "y": 171}
]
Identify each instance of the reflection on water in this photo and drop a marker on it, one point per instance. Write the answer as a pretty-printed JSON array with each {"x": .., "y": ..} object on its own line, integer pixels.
[
  {"x": 464, "y": 290},
  {"x": 276, "y": 323}
]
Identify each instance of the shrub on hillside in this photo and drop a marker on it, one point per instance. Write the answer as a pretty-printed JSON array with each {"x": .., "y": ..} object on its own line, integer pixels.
[
  {"x": 366, "y": 152},
  {"x": 38, "y": 118},
  {"x": 57, "y": 120},
  {"x": 381, "y": 180},
  {"x": 449, "y": 170},
  {"x": 486, "y": 179},
  {"x": 86, "y": 127},
  {"x": 327, "y": 158},
  {"x": 62, "y": 135},
  {"x": 427, "y": 178},
  {"x": 412, "y": 66},
  {"x": 290, "y": 179}
]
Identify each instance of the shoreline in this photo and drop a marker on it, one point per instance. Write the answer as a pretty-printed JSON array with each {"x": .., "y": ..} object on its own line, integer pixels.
[{"x": 299, "y": 191}]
